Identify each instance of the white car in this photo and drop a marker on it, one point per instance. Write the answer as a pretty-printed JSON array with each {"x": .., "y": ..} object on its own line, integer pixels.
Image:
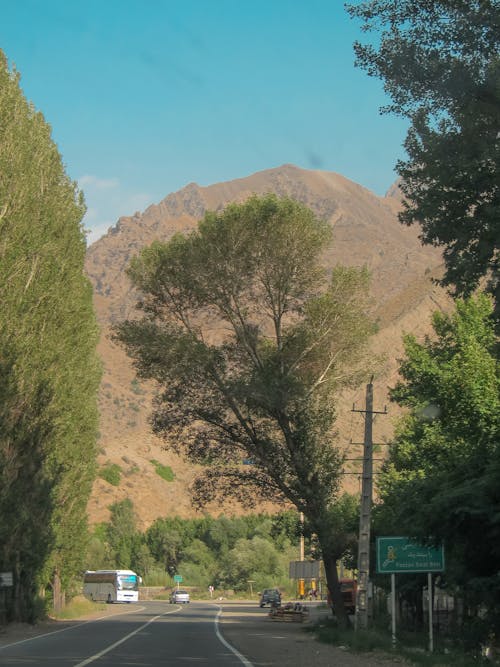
[{"x": 179, "y": 597}]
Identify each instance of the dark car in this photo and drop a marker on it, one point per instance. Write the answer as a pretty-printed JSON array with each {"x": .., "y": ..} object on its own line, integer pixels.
[{"x": 270, "y": 596}]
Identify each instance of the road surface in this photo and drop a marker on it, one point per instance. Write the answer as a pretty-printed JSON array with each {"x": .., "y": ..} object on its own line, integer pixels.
[
  {"x": 150, "y": 633},
  {"x": 156, "y": 634}
]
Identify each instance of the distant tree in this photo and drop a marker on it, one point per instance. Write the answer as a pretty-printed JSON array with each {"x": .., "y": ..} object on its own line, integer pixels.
[
  {"x": 142, "y": 560},
  {"x": 440, "y": 64},
  {"x": 286, "y": 527},
  {"x": 253, "y": 559},
  {"x": 164, "y": 539},
  {"x": 98, "y": 555},
  {"x": 249, "y": 341},
  {"x": 224, "y": 532},
  {"x": 198, "y": 564},
  {"x": 122, "y": 534},
  {"x": 48, "y": 338},
  {"x": 442, "y": 476}
]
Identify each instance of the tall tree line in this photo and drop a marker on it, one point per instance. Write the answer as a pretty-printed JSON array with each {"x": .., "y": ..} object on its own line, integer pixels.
[{"x": 49, "y": 371}]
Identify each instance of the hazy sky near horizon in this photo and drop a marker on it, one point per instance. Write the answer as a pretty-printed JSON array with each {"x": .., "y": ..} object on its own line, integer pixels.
[{"x": 146, "y": 96}]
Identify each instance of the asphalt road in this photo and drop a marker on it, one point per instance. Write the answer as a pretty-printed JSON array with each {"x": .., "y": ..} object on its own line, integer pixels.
[
  {"x": 156, "y": 634},
  {"x": 150, "y": 633}
]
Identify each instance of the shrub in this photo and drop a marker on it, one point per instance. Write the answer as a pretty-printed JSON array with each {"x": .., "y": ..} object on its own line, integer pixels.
[
  {"x": 165, "y": 472},
  {"x": 111, "y": 473}
]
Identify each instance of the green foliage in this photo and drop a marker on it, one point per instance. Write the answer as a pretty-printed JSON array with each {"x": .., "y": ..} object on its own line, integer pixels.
[
  {"x": 122, "y": 533},
  {"x": 441, "y": 480},
  {"x": 156, "y": 576},
  {"x": 225, "y": 552},
  {"x": 439, "y": 62},
  {"x": 165, "y": 472},
  {"x": 98, "y": 556},
  {"x": 248, "y": 339},
  {"x": 111, "y": 473},
  {"x": 50, "y": 371},
  {"x": 253, "y": 559}
]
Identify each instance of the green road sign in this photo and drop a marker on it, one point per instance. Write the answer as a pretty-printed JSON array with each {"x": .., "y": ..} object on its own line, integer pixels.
[
  {"x": 401, "y": 554},
  {"x": 177, "y": 578}
]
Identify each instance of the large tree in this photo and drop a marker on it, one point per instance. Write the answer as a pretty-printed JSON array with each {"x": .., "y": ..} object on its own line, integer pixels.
[
  {"x": 440, "y": 63},
  {"x": 49, "y": 368},
  {"x": 248, "y": 339},
  {"x": 441, "y": 479}
]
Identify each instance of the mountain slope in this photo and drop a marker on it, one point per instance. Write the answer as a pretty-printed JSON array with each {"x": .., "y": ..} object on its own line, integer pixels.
[{"x": 366, "y": 232}]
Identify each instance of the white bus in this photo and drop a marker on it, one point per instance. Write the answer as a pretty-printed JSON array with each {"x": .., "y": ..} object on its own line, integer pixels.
[{"x": 111, "y": 585}]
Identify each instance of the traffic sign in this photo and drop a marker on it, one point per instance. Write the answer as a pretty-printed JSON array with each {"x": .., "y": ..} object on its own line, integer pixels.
[
  {"x": 402, "y": 554},
  {"x": 6, "y": 579},
  {"x": 177, "y": 578},
  {"x": 304, "y": 569}
]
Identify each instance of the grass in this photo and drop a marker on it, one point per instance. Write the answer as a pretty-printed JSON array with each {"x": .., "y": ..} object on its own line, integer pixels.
[
  {"x": 165, "y": 472},
  {"x": 111, "y": 473},
  {"x": 78, "y": 607},
  {"x": 411, "y": 649}
]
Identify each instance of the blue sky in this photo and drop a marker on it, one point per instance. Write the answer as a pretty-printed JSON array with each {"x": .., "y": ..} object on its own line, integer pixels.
[{"x": 146, "y": 96}]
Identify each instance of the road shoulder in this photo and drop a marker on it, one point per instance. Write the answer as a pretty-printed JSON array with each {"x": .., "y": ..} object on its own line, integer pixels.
[{"x": 269, "y": 642}]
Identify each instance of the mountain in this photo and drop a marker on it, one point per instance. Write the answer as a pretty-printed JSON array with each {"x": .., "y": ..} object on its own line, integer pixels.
[{"x": 366, "y": 231}]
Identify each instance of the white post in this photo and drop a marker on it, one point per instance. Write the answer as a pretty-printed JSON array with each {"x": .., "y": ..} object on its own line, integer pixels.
[
  {"x": 431, "y": 629},
  {"x": 393, "y": 608}
]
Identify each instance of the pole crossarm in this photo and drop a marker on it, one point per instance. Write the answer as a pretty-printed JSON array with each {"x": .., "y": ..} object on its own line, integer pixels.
[{"x": 372, "y": 412}]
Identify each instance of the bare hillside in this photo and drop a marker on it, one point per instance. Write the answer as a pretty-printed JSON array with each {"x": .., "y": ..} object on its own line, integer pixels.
[{"x": 366, "y": 232}]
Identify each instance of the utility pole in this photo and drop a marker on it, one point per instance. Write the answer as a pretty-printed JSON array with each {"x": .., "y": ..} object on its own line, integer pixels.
[
  {"x": 302, "y": 590},
  {"x": 361, "y": 618}
]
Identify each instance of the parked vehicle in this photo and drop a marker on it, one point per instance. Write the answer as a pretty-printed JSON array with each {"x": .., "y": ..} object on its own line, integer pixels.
[
  {"x": 348, "y": 590},
  {"x": 179, "y": 597},
  {"x": 270, "y": 596}
]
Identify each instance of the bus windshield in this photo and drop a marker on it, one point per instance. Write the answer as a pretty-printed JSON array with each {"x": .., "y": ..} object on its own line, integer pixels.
[{"x": 127, "y": 582}]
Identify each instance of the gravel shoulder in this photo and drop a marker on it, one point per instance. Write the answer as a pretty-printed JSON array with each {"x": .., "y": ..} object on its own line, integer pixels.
[{"x": 266, "y": 642}]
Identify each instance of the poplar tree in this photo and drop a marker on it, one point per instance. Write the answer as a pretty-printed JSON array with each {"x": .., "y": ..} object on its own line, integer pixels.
[{"x": 49, "y": 368}]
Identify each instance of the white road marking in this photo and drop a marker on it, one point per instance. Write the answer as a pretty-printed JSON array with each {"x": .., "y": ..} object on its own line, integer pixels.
[
  {"x": 240, "y": 657},
  {"x": 95, "y": 657}
]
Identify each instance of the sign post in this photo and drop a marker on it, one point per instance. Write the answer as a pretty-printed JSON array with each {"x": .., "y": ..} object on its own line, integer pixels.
[
  {"x": 431, "y": 628},
  {"x": 401, "y": 554},
  {"x": 177, "y": 579},
  {"x": 393, "y": 609}
]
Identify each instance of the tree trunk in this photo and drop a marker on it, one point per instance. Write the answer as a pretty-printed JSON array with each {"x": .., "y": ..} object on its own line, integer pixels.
[
  {"x": 332, "y": 581},
  {"x": 57, "y": 593}
]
